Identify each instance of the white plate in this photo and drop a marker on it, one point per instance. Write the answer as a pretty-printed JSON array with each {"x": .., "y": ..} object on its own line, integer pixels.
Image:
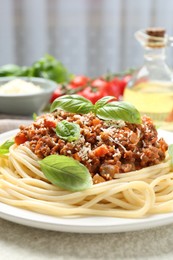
[{"x": 85, "y": 224}]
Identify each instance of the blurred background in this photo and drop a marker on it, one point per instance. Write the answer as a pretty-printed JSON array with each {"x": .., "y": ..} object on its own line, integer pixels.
[{"x": 89, "y": 37}]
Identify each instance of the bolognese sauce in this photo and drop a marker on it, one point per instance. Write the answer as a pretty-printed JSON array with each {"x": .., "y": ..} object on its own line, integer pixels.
[{"x": 105, "y": 147}]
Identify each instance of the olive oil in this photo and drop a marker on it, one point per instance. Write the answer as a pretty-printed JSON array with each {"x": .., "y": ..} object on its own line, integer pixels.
[
  {"x": 150, "y": 89},
  {"x": 154, "y": 99}
]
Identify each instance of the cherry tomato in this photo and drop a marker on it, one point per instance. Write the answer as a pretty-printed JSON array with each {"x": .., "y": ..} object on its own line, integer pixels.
[
  {"x": 57, "y": 93},
  {"x": 111, "y": 88},
  {"x": 93, "y": 94},
  {"x": 79, "y": 81},
  {"x": 125, "y": 79},
  {"x": 114, "y": 88},
  {"x": 99, "y": 83}
]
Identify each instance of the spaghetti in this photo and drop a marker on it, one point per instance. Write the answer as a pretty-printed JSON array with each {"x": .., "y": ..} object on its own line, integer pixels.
[
  {"x": 131, "y": 195},
  {"x": 127, "y": 163}
]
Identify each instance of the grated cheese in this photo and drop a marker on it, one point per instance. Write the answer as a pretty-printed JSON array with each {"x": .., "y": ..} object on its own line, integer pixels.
[
  {"x": 84, "y": 151},
  {"x": 19, "y": 86}
]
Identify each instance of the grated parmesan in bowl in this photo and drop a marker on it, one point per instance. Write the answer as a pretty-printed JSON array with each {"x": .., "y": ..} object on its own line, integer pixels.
[
  {"x": 25, "y": 95},
  {"x": 19, "y": 86}
]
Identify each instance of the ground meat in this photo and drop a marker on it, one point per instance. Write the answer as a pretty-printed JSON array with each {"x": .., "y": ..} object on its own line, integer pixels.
[{"x": 104, "y": 147}]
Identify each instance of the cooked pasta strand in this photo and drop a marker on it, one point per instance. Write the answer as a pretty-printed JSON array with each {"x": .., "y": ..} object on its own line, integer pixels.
[{"x": 130, "y": 195}]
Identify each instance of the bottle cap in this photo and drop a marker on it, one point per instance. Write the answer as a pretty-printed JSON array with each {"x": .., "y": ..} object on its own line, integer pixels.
[
  {"x": 156, "y": 37},
  {"x": 156, "y": 32}
]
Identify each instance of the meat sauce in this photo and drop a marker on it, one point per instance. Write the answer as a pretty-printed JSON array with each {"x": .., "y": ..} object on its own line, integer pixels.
[{"x": 104, "y": 147}]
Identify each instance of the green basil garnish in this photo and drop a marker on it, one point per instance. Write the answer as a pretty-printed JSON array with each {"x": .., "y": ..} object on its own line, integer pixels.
[
  {"x": 103, "y": 101},
  {"x": 170, "y": 151},
  {"x": 34, "y": 116},
  {"x": 4, "y": 148},
  {"x": 119, "y": 110},
  {"x": 105, "y": 108},
  {"x": 73, "y": 104},
  {"x": 68, "y": 131},
  {"x": 66, "y": 172}
]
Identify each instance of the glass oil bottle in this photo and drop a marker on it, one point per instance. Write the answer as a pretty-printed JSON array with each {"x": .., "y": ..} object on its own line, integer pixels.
[{"x": 151, "y": 87}]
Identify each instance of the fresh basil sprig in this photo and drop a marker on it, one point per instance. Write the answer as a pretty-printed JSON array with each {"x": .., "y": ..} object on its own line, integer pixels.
[
  {"x": 4, "y": 148},
  {"x": 170, "y": 151},
  {"x": 68, "y": 131},
  {"x": 105, "y": 108},
  {"x": 103, "y": 101},
  {"x": 34, "y": 116},
  {"x": 119, "y": 110},
  {"x": 47, "y": 67},
  {"x": 66, "y": 172},
  {"x": 73, "y": 104}
]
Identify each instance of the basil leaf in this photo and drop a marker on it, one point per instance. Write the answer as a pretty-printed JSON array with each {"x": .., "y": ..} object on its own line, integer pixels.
[
  {"x": 68, "y": 131},
  {"x": 4, "y": 148},
  {"x": 119, "y": 110},
  {"x": 34, "y": 116},
  {"x": 46, "y": 67},
  {"x": 50, "y": 68},
  {"x": 170, "y": 151},
  {"x": 9, "y": 70},
  {"x": 73, "y": 104},
  {"x": 103, "y": 108},
  {"x": 103, "y": 101},
  {"x": 66, "y": 172}
]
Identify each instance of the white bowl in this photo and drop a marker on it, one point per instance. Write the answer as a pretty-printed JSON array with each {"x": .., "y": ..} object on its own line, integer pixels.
[{"x": 27, "y": 104}]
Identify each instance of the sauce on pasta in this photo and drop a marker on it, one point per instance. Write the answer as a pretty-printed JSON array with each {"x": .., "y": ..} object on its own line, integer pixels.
[
  {"x": 129, "y": 165},
  {"x": 104, "y": 147}
]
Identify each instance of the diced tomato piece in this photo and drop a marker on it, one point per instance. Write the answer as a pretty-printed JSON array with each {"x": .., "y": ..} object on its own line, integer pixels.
[
  {"x": 101, "y": 151},
  {"x": 20, "y": 138},
  {"x": 95, "y": 121},
  {"x": 49, "y": 123}
]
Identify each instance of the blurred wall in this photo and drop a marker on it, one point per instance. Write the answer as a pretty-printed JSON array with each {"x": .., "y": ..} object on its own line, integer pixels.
[{"x": 89, "y": 36}]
